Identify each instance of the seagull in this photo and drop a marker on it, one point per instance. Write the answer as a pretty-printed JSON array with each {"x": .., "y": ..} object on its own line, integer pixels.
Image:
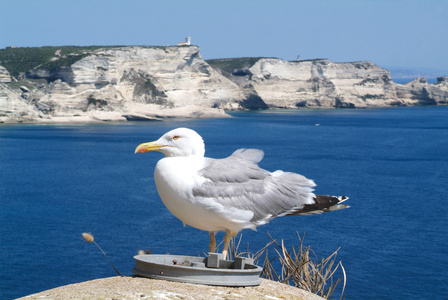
[{"x": 229, "y": 194}]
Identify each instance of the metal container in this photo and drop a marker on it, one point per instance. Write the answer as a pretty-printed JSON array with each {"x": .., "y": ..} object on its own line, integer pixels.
[{"x": 211, "y": 270}]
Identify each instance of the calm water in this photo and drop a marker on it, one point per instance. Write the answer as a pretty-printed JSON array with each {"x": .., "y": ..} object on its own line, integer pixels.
[
  {"x": 59, "y": 181},
  {"x": 406, "y": 80}
]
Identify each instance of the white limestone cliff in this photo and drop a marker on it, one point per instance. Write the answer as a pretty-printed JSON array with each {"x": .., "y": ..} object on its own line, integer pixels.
[
  {"x": 133, "y": 83},
  {"x": 323, "y": 83},
  {"x": 320, "y": 83}
]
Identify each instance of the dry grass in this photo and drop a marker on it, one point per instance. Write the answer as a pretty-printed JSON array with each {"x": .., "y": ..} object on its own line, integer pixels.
[
  {"x": 299, "y": 267},
  {"x": 88, "y": 237}
]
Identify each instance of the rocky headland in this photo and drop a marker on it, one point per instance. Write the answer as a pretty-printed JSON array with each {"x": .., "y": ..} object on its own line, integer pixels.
[{"x": 97, "y": 84}]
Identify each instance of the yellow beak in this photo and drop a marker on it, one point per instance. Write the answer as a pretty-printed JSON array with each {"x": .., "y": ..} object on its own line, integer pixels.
[{"x": 146, "y": 147}]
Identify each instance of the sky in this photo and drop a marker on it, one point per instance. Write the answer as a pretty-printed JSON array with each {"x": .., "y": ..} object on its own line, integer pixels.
[{"x": 406, "y": 34}]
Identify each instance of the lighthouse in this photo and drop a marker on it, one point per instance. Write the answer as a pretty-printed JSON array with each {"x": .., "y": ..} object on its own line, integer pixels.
[{"x": 186, "y": 43}]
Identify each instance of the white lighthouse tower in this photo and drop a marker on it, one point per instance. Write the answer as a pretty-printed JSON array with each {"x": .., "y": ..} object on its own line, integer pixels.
[{"x": 186, "y": 43}]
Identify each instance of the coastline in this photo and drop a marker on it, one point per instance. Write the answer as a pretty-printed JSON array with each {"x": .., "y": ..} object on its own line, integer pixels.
[
  {"x": 85, "y": 120},
  {"x": 130, "y": 83}
]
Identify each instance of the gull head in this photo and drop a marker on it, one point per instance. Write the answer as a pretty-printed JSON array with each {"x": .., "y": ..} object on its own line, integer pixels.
[{"x": 177, "y": 142}]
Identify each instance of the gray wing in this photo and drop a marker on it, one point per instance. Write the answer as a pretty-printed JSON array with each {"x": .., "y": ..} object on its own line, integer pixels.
[{"x": 237, "y": 181}]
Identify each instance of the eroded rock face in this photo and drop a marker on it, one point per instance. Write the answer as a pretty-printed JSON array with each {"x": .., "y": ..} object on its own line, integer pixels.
[
  {"x": 117, "y": 78},
  {"x": 423, "y": 93},
  {"x": 14, "y": 108},
  {"x": 4, "y": 75}
]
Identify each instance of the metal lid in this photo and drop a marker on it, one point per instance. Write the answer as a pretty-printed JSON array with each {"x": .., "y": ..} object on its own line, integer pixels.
[{"x": 211, "y": 270}]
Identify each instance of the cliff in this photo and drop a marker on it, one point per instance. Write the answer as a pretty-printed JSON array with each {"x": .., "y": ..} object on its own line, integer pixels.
[
  {"x": 119, "y": 84},
  {"x": 99, "y": 84},
  {"x": 276, "y": 83}
]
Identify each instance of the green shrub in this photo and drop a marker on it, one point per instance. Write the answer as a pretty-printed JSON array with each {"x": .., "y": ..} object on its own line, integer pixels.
[{"x": 230, "y": 64}]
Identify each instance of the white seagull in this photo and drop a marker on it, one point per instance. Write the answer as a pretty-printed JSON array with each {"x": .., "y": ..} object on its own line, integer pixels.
[{"x": 228, "y": 194}]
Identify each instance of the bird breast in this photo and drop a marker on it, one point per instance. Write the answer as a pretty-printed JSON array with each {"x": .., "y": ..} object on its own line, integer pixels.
[{"x": 175, "y": 179}]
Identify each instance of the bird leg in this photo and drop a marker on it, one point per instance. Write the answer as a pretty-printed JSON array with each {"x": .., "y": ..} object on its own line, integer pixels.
[
  {"x": 212, "y": 245},
  {"x": 229, "y": 235}
]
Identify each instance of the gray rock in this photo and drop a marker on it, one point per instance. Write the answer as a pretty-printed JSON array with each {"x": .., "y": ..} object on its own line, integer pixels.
[
  {"x": 5, "y": 77},
  {"x": 24, "y": 89}
]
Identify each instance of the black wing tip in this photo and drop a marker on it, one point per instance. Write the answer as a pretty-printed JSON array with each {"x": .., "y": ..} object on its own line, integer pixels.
[
  {"x": 342, "y": 198},
  {"x": 322, "y": 203}
]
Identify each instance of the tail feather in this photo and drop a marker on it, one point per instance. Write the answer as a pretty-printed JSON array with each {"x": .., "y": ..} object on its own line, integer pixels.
[{"x": 322, "y": 203}]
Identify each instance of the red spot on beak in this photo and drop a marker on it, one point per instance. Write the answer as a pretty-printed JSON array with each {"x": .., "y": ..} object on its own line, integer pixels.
[{"x": 141, "y": 150}]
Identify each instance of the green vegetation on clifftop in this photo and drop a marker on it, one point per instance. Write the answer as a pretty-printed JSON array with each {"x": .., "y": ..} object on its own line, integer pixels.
[{"x": 21, "y": 60}]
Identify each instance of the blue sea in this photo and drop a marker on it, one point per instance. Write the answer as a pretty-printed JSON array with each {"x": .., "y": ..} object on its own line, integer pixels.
[
  {"x": 406, "y": 80},
  {"x": 58, "y": 181}
]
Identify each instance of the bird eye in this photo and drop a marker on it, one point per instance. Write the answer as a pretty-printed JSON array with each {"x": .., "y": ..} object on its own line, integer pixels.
[{"x": 176, "y": 137}]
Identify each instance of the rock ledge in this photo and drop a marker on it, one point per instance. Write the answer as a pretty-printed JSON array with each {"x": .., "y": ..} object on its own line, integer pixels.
[{"x": 130, "y": 287}]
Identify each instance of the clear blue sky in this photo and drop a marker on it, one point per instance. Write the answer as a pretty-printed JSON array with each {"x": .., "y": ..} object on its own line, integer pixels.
[{"x": 408, "y": 34}]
